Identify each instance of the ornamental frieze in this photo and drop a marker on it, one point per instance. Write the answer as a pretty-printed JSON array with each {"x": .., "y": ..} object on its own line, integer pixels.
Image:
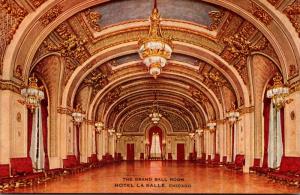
[
  {"x": 37, "y": 3},
  {"x": 97, "y": 79},
  {"x": 92, "y": 18},
  {"x": 260, "y": 14},
  {"x": 10, "y": 85},
  {"x": 11, "y": 15},
  {"x": 51, "y": 15},
  {"x": 293, "y": 13},
  {"x": 217, "y": 17},
  {"x": 62, "y": 110}
]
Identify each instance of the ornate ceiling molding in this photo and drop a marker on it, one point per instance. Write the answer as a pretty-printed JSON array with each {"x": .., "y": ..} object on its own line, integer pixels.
[
  {"x": 11, "y": 86},
  {"x": 293, "y": 13},
  {"x": 51, "y": 14}
]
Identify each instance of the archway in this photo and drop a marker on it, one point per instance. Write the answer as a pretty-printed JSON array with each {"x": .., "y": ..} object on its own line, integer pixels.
[{"x": 156, "y": 148}]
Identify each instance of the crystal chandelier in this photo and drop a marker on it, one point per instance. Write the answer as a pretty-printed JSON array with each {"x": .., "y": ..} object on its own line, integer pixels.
[
  {"x": 99, "y": 126},
  {"x": 233, "y": 114},
  {"x": 211, "y": 125},
  {"x": 118, "y": 135},
  {"x": 278, "y": 92},
  {"x": 155, "y": 49},
  {"x": 111, "y": 131},
  {"x": 199, "y": 131},
  {"x": 78, "y": 115},
  {"x": 192, "y": 135},
  {"x": 155, "y": 115},
  {"x": 33, "y": 94}
]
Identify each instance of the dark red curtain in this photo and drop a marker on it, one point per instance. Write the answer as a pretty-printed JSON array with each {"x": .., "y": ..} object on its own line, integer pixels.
[
  {"x": 215, "y": 141},
  {"x": 77, "y": 142},
  {"x": 282, "y": 129},
  {"x": 155, "y": 129},
  {"x": 29, "y": 130},
  {"x": 266, "y": 114},
  {"x": 96, "y": 134},
  {"x": 44, "y": 110},
  {"x": 232, "y": 130}
]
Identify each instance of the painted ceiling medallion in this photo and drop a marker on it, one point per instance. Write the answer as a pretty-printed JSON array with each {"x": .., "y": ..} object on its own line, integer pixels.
[{"x": 155, "y": 49}]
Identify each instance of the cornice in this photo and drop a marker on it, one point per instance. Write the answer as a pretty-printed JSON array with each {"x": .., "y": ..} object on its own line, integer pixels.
[{"x": 10, "y": 85}]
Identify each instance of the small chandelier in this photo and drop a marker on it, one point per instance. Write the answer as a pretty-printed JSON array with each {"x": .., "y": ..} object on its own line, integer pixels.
[
  {"x": 155, "y": 49},
  {"x": 278, "y": 92},
  {"x": 111, "y": 131},
  {"x": 78, "y": 115},
  {"x": 99, "y": 126},
  {"x": 33, "y": 94},
  {"x": 233, "y": 114},
  {"x": 211, "y": 125},
  {"x": 192, "y": 135},
  {"x": 199, "y": 131},
  {"x": 118, "y": 135},
  {"x": 155, "y": 115}
]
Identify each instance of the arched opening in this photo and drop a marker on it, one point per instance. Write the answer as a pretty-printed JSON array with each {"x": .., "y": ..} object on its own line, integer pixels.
[
  {"x": 155, "y": 136},
  {"x": 37, "y": 134},
  {"x": 274, "y": 147}
]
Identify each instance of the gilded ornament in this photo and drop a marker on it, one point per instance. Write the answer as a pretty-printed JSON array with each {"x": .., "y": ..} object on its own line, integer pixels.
[
  {"x": 113, "y": 95},
  {"x": 37, "y": 3},
  {"x": 293, "y": 13},
  {"x": 51, "y": 15},
  {"x": 93, "y": 18},
  {"x": 10, "y": 85},
  {"x": 260, "y": 14},
  {"x": 216, "y": 17}
]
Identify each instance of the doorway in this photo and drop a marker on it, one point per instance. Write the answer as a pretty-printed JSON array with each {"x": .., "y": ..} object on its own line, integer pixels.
[
  {"x": 130, "y": 152},
  {"x": 180, "y": 152}
]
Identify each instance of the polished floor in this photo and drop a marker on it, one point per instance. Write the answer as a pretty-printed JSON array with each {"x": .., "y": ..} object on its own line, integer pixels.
[{"x": 160, "y": 177}]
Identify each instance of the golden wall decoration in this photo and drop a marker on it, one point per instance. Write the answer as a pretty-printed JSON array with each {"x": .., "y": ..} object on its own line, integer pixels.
[
  {"x": 10, "y": 85},
  {"x": 293, "y": 13},
  {"x": 51, "y": 15},
  {"x": 216, "y": 17},
  {"x": 37, "y": 3},
  {"x": 93, "y": 18},
  {"x": 11, "y": 15},
  {"x": 260, "y": 14}
]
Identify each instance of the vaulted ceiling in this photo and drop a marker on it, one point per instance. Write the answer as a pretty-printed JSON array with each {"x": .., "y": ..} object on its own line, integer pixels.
[{"x": 86, "y": 52}]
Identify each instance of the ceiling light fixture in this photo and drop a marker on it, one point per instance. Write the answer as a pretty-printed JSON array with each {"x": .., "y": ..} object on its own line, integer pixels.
[{"x": 155, "y": 49}]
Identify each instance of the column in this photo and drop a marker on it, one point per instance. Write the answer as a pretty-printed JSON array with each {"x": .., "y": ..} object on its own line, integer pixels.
[
  {"x": 212, "y": 143},
  {"x": 220, "y": 146},
  {"x": 247, "y": 122},
  {"x": 197, "y": 143}
]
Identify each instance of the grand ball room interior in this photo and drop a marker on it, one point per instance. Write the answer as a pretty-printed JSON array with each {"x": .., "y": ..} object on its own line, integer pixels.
[{"x": 169, "y": 96}]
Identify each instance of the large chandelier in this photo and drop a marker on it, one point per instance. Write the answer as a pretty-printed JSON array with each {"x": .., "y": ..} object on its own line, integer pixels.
[
  {"x": 78, "y": 115},
  {"x": 155, "y": 49},
  {"x": 33, "y": 94},
  {"x": 278, "y": 92}
]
